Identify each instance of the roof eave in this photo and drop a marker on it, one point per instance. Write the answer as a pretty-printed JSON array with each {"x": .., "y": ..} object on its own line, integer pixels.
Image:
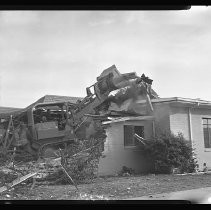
[
  {"x": 181, "y": 101},
  {"x": 129, "y": 118}
]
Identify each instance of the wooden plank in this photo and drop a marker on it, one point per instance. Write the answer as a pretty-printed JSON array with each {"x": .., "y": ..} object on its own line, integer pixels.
[
  {"x": 17, "y": 181},
  {"x": 69, "y": 177},
  {"x": 139, "y": 138}
]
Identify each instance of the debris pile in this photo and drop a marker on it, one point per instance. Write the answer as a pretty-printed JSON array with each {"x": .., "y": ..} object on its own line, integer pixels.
[
  {"x": 76, "y": 164},
  {"x": 125, "y": 101}
]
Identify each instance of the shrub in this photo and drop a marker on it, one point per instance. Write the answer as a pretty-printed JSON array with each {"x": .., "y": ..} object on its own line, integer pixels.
[
  {"x": 84, "y": 166},
  {"x": 167, "y": 151}
]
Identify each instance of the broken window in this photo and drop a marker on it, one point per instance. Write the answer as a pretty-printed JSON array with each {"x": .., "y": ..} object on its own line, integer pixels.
[
  {"x": 207, "y": 132},
  {"x": 129, "y": 131}
]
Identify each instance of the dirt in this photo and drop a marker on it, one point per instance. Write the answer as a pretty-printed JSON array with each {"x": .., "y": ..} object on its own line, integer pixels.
[{"x": 110, "y": 188}]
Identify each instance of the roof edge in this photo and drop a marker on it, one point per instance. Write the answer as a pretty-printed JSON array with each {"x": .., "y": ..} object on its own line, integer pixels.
[
  {"x": 188, "y": 100},
  {"x": 177, "y": 99},
  {"x": 122, "y": 119}
]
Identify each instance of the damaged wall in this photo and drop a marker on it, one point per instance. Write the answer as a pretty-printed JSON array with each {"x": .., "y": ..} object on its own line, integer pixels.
[{"x": 117, "y": 155}]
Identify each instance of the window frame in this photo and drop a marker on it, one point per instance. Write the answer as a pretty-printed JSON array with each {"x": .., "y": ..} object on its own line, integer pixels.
[
  {"x": 207, "y": 124},
  {"x": 134, "y": 145}
]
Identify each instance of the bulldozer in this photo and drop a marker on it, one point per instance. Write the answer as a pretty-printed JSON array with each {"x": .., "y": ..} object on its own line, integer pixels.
[{"x": 40, "y": 130}]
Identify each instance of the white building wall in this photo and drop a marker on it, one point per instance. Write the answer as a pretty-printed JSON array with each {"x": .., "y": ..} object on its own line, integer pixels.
[
  {"x": 167, "y": 118},
  {"x": 179, "y": 122},
  {"x": 203, "y": 155},
  {"x": 117, "y": 155}
]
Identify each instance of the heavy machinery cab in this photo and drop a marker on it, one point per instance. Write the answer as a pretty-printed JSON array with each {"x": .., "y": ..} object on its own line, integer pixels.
[{"x": 48, "y": 120}]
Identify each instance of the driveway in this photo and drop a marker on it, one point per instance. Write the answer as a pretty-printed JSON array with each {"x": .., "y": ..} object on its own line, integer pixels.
[{"x": 200, "y": 195}]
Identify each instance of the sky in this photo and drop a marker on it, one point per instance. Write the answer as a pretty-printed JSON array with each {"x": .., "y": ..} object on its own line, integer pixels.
[{"x": 62, "y": 52}]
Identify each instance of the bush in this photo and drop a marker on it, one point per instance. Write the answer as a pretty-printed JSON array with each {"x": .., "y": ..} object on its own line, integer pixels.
[
  {"x": 167, "y": 151},
  {"x": 84, "y": 166}
]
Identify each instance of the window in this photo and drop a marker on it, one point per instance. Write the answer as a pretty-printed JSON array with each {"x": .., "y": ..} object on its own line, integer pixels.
[
  {"x": 129, "y": 131},
  {"x": 207, "y": 132}
]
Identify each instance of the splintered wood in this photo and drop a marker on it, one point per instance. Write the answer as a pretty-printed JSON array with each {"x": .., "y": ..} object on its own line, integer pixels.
[
  {"x": 42, "y": 170},
  {"x": 17, "y": 181}
]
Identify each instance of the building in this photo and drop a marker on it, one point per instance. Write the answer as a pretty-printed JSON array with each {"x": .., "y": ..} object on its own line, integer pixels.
[
  {"x": 191, "y": 117},
  {"x": 120, "y": 146}
]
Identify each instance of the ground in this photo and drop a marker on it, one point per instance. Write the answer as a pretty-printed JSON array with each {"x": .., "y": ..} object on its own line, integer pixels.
[{"x": 110, "y": 188}]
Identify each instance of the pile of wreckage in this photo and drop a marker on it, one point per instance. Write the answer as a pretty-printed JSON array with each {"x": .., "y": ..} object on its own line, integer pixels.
[{"x": 36, "y": 142}]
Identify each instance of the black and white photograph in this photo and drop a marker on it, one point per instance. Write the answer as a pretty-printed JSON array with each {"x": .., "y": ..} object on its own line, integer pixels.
[{"x": 105, "y": 105}]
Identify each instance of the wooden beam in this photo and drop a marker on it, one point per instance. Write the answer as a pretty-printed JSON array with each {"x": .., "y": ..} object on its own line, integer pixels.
[{"x": 17, "y": 181}]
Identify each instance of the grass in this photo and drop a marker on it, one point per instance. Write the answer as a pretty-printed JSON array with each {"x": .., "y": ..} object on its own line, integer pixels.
[{"x": 109, "y": 188}]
